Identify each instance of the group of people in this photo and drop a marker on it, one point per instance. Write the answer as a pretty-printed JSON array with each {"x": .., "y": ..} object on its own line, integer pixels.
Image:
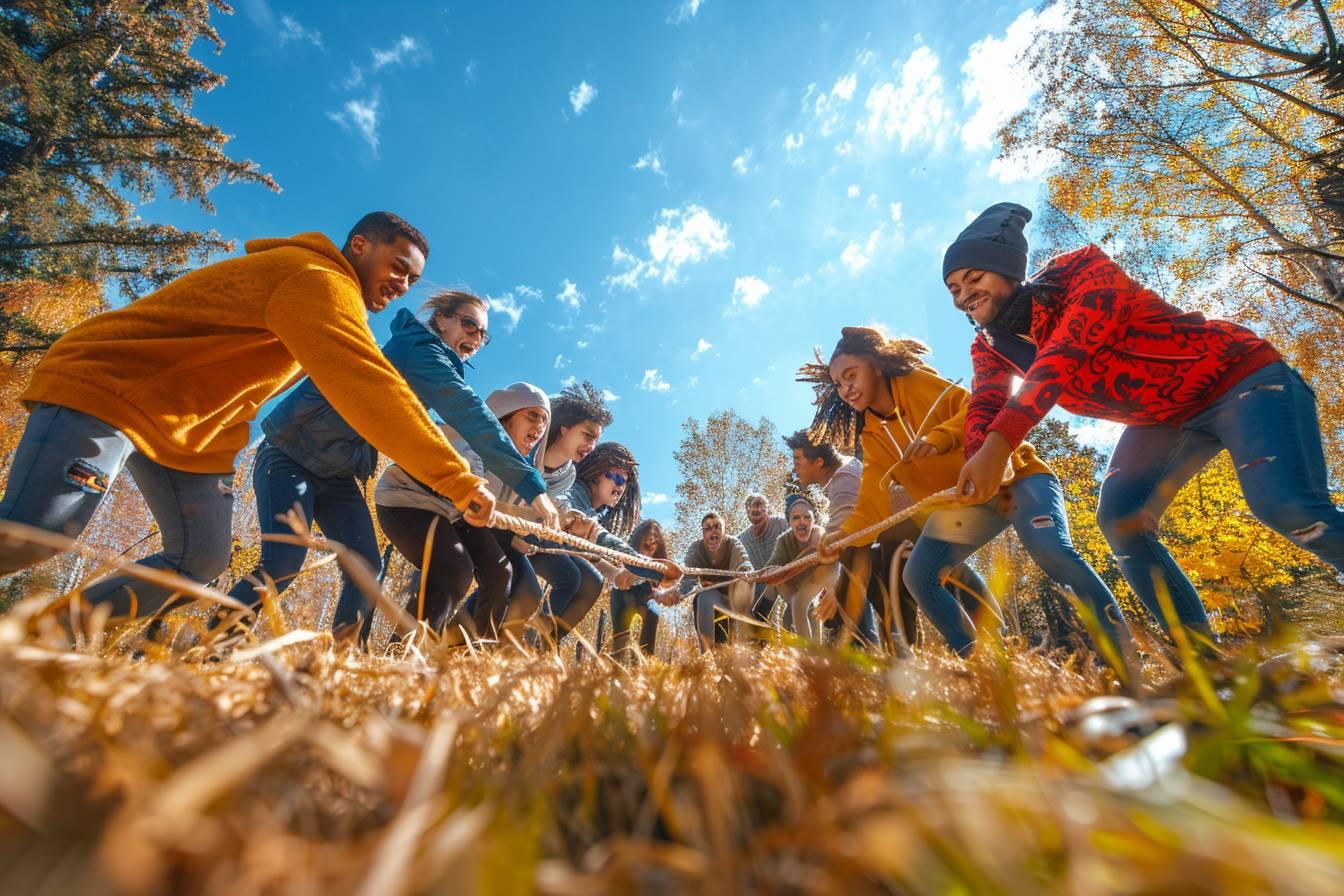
[{"x": 168, "y": 385}]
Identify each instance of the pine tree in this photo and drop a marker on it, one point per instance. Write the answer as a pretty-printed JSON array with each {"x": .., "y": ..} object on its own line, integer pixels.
[{"x": 95, "y": 115}]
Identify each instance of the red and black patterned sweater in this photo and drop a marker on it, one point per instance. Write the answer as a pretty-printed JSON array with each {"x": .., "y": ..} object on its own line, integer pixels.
[{"x": 1107, "y": 347}]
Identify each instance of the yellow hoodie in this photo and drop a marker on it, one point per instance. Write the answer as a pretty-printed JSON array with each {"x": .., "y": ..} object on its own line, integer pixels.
[
  {"x": 885, "y": 439},
  {"x": 183, "y": 370}
]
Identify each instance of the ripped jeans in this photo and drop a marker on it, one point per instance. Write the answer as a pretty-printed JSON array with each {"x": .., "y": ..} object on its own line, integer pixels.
[
  {"x": 1034, "y": 507},
  {"x": 64, "y": 467},
  {"x": 1267, "y": 422}
]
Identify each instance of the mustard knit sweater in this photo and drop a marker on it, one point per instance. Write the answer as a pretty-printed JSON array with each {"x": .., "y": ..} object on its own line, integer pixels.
[
  {"x": 916, "y": 396},
  {"x": 182, "y": 371}
]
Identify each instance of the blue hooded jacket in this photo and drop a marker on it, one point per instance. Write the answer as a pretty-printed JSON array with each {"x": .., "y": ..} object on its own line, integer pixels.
[{"x": 307, "y": 428}]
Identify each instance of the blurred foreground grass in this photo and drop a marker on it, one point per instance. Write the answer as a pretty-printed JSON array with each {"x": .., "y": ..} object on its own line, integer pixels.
[{"x": 298, "y": 767}]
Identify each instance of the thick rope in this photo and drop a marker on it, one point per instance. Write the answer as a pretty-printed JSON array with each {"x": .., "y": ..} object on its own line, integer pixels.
[{"x": 503, "y": 519}]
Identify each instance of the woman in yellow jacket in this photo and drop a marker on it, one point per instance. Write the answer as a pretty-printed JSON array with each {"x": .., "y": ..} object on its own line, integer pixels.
[{"x": 910, "y": 424}]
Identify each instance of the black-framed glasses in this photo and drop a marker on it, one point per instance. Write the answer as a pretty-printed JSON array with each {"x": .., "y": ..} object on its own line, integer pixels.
[
  {"x": 471, "y": 325},
  {"x": 618, "y": 479}
]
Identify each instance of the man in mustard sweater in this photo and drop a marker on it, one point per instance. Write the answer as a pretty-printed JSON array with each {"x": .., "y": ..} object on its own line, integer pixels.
[{"x": 167, "y": 386}]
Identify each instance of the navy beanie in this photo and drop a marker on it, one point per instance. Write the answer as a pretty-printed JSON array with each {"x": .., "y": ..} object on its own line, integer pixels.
[
  {"x": 993, "y": 242},
  {"x": 794, "y": 499}
]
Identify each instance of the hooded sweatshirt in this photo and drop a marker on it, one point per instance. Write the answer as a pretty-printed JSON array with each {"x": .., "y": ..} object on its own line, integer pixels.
[
  {"x": 182, "y": 371},
  {"x": 917, "y": 397}
]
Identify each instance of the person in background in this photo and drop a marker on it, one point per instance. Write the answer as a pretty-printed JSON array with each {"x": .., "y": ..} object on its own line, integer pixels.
[
  {"x": 641, "y": 599},
  {"x": 714, "y": 550}
]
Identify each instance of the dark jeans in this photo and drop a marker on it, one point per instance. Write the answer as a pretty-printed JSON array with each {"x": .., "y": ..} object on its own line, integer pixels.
[
  {"x": 64, "y": 466},
  {"x": 626, "y": 607},
  {"x": 575, "y": 586},
  {"x": 459, "y": 553},
  {"x": 337, "y": 505},
  {"x": 1267, "y": 422},
  {"x": 1034, "y": 507}
]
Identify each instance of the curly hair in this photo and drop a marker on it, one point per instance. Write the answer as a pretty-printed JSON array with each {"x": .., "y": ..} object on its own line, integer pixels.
[
  {"x": 575, "y": 404},
  {"x": 644, "y": 530},
  {"x": 620, "y": 519},
  {"x": 835, "y": 422}
]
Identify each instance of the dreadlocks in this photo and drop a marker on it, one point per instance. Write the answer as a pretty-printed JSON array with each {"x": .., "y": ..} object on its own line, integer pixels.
[
  {"x": 575, "y": 404},
  {"x": 620, "y": 519},
  {"x": 836, "y": 422}
]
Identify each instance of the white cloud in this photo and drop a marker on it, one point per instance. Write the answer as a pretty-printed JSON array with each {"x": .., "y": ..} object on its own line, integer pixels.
[
  {"x": 570, "y": 294},
  {"x": 793, "y": 142},
  {"x": 568, "y": 381},
  {"x": 581, "y": 344},
  {"x": 1023, "y": 165},
  {"x": 692, "y": 382},
  {"x": 844, "y": 148},
  {"x": 913, "y": 111},
  {"x": 897, "y": 212},
  {"x": 676, "y": 96},
  {"x": 859, "y": 255},
  {"x": 685, "y": 11},
  {"x": 581, "y": 96},
  {"x": 853, "y": 191},
  {"x": 742, "y": 164},
  {"x": 864, "y": 58},
  {"x": 528, "y": 292},
  {"x": 997, "y": 80},
  {"x": 654, "y": 498},
  {"x": 1099, "y": 434},
  {"x": 610, "y": 396},
  {"x": 652, "y": 382},
  {"x": 469, "y": 73},
  {"x": 684, "y": 236},
  {"x": 700, "y": 348},
  {"x": 560, "y": 362},
  {"x": 509, "y": 306},
  {"x": 652, "y": 161},
  {"x": 291, "y": 30},
  {"x": 829, "y": 107},
  {"x": 775, "y": 203},
  {"x": 748, "y": 291},
  {"x": 406, "y": 51},
  {"x": 361, "y": 117}
]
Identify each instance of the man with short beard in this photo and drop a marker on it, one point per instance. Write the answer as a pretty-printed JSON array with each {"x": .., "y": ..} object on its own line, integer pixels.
[{"x": 715, "y": 550}]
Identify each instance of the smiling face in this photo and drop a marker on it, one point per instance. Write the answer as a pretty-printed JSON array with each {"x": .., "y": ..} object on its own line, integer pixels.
[
  {"x": 648, "y": 545},
  {"x": 859, "y": 382},
  {"x": 576, "y": 442},
  {"x": 525, "y": 427},
  {"x": 981, "y": 294},
  {"x": 605, "y": 490},
  {"x": 801, "y": 520},
  {"x": 386, "y": 270},
  {"x": 712, "y": 531},
  {"x": 463, "y": 329},
  {"x": 757, "y": 512}
]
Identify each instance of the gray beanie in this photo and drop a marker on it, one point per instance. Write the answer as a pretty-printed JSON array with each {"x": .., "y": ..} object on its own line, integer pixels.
[
  {"x": 993, "y": 242},
  {"x": 515, "y": 397}
]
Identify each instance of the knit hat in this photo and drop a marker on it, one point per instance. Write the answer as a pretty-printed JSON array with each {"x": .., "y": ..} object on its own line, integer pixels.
[
  {"x": 794, "y": 499},
  {"x": 993, "y": 242},
  {"x": 515, "y": 397}
]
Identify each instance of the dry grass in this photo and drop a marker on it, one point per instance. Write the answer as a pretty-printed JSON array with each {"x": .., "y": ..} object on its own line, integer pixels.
[{"x": 297, "y": 767}]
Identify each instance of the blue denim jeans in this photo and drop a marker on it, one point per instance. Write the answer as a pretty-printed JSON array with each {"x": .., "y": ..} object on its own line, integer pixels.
[
  {"x": 65, "y": 465},
  {"x": 626, "y": 606},
  {"x": 1034, "y": 507},
  {"x": 1267, "y": 422},
  {"x": 337, "y": 505}
]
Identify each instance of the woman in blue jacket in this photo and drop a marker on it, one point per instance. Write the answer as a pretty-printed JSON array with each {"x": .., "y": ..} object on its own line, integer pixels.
[{"x": 311, "y": 457}]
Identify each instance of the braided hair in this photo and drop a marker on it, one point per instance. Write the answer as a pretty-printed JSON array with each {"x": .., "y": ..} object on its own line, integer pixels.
[
  {"x": 620, "y": 519},
  {"x": 835, "y": 422}
]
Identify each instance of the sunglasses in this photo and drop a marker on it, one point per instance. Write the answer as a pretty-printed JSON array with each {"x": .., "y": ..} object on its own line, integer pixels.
[
  {"x": 472, "y": 326},
  {"x": 618, "y": 479}
]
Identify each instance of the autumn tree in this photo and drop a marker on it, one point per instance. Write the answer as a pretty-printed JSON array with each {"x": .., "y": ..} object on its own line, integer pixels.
[
  {"x": 95, "y": 115},
  {"x": 721, "y": 462},
  {"x": 1197, "y": 127}
]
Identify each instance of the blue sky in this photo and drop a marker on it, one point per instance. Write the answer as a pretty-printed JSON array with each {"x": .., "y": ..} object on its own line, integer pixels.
[{"x": 675, "y": 200}]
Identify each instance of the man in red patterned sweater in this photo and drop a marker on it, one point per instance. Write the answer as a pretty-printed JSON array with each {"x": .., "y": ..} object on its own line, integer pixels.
[{"x": 1084, "y": 335}]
